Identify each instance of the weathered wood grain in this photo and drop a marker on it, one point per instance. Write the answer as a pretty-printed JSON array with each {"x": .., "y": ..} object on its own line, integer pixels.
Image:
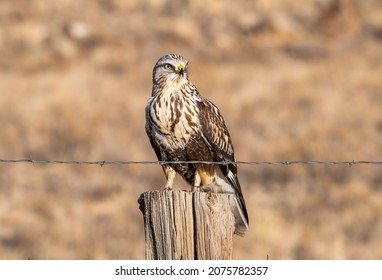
[{"x": 181, "y": 225}]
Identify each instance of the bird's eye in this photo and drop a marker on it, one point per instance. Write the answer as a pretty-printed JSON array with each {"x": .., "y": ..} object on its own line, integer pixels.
[{"x": 167, "y": 66}]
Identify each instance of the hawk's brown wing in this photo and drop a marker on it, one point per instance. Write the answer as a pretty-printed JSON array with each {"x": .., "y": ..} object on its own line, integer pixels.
[{"x": 216, "y": 136}]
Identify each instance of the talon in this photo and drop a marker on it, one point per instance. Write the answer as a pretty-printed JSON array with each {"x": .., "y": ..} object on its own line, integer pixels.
[
  {"x": 196, "y": 189},
  {"x": 166, "y": 188}
]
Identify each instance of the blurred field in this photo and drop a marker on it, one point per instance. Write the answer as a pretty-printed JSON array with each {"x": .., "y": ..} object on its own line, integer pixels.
[{"x": 295, "y": 81}]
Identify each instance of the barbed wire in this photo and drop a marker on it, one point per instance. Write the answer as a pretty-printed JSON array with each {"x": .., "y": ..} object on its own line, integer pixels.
[{"x": 104, "y": 162}]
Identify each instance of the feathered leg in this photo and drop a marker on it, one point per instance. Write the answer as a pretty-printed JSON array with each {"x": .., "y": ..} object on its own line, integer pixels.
[
  {"x": 170, "y": 176},
  {"x": 197, "y": 182}
]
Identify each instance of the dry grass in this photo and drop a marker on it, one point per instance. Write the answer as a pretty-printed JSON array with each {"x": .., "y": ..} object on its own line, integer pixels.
[{"x": 294, "y": 81}]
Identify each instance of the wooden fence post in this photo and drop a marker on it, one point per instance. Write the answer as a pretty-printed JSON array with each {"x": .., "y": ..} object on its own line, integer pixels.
[{"x": 182, "y": 225}]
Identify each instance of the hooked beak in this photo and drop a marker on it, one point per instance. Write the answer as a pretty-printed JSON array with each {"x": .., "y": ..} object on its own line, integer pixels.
[{"x": 180, "y": 70}]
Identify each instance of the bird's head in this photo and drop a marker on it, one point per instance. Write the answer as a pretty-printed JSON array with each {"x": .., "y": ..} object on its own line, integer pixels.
[{"x": 171, "y": 68}]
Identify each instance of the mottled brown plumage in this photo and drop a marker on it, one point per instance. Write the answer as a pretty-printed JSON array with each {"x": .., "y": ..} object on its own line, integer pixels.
[{"x": 183, "y": 126}]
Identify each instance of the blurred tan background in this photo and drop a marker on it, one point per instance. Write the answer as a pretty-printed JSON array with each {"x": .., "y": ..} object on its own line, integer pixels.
[{"x": 295, "y": 80}]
